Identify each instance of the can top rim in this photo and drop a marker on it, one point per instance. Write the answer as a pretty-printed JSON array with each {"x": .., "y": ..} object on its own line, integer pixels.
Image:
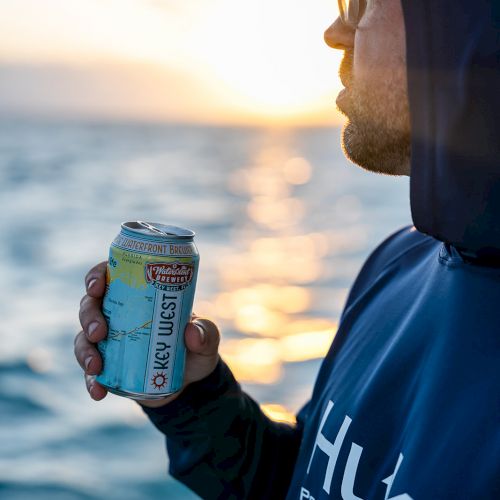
[{"x": 158, "y": 229}]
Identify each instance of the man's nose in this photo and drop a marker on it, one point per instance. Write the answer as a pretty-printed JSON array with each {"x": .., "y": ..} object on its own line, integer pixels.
[{"x": 340, "y": 36}]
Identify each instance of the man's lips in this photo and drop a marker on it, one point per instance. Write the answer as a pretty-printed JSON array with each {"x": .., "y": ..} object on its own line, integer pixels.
[
  {"x": 341, "y": 98},
  {"x": 344, "y": 79}
]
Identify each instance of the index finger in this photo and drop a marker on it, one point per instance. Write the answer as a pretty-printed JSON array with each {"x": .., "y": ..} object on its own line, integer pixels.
[{"x": 95, "y": 280}]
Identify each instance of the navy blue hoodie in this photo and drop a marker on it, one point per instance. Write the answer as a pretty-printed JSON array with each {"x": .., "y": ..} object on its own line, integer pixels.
[{"x": 407, "y": 402}]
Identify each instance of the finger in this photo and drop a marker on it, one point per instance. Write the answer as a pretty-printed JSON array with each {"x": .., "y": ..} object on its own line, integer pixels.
[
  {"x": 95, "y": 280},
  {"x": 92, "y": 319},
  {"x": 87, "y": 355},
  {"x": 96, "y": 390},
  {"x": 202, "y": 337}
]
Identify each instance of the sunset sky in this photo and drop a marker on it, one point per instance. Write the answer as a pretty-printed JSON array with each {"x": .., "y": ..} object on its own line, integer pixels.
[{"x": 208, "y": 61}]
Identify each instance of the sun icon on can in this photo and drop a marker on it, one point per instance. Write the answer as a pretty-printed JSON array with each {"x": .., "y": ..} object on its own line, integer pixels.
[{"x": 159, "y": 380}]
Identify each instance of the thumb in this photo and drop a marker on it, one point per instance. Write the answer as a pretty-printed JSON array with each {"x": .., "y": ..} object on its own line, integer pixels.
[
  {"x": 202, "y": 342},
  {"x": 202, "y": 337}
]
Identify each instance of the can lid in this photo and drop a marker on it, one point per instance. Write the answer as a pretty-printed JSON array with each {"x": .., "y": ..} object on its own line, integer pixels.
[{"x": 157, "y": 229}]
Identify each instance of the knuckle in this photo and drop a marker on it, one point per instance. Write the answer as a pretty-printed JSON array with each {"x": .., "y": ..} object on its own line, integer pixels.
[
  {"x": 85, "y": 303},
  {"x": 83, "y": 349},
  {"x": 79, "y": 353},
  {"x": 82, "y": 300},
  {"x": 75, "y": 340},
  {"x": 89, "y": 311},
  {"x": 81, "y": 316}
]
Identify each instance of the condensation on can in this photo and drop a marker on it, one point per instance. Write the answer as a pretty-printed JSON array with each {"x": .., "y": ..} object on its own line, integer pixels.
[{"x": 150, "y": 285}]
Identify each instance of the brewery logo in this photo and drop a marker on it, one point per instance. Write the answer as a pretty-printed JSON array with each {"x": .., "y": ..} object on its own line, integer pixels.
[{"x": 169, "y": 275}]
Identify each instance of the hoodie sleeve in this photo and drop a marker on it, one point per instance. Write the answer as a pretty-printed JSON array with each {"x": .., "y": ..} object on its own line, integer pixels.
[{"x": 222, "y": 446}]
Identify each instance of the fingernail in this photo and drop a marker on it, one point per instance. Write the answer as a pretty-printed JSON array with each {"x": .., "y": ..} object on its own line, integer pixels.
[
  {"x": 201, "y": 330},
  {"x": 91, "y": 283},
  {"x": 91, "y": 388},
  {"x": 92, "y": 328},
  {"x": 88, "y": 360},
  {"x": 203, "y": 335}
]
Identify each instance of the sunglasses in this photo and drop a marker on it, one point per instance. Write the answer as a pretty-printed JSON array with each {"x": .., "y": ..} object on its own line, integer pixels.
[{"x": 351, "y": 11}]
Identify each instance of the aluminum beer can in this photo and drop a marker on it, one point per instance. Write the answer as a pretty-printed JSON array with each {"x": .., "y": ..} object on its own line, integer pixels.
[{"x": 150, "y": 284}]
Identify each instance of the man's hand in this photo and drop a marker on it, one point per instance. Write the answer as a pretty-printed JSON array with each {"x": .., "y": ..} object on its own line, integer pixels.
[{"x": 201, "y": 337}]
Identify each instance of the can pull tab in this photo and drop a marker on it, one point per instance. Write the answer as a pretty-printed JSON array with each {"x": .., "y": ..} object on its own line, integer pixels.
[{"x": 153, "y": 228}]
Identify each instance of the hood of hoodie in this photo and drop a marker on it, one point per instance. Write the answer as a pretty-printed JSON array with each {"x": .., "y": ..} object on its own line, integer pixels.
[{"x": 453, "y": 59}]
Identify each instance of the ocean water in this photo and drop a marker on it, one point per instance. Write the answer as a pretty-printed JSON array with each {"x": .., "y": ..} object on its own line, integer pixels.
[{"x": 283, "y": 225}]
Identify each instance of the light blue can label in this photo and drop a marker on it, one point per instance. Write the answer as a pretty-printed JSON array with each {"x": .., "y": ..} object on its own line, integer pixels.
[{"x": 151, "y": 280}]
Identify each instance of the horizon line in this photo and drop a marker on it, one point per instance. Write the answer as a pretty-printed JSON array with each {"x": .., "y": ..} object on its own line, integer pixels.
[{"x": 60, "y": 118}]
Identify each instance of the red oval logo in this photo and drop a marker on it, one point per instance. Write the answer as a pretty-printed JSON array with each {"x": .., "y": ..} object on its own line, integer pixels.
[{"x": 169, "y": 274}]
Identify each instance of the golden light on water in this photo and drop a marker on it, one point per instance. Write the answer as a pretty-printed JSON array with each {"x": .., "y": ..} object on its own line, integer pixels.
[
  {"x": 261, "y": 360},
  {"x": 278, "y": 413},
  {"x": 262, "y": 309},
  {"x": 306, "y": 345},
  {"x": 267, "y": 288},
  {"x": 255, "y": 318},
  {"x": 272, "y": 176},
  {"x": 289, "y": 259},
  {"x": 275, "y": 214},
  {"x": 297, "y": 170},
  {"x": 253, "y": 360}
]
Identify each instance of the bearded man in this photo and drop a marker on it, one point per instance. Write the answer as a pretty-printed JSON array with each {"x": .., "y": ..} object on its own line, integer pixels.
[{"x": 406, "y": 404}]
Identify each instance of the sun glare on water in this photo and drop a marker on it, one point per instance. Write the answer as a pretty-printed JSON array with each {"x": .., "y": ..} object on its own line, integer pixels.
[{"x": 267, "y": 288}]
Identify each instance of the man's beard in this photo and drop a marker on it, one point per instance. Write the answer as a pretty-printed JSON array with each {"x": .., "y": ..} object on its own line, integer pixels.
[{"x": 377, "y": 133}]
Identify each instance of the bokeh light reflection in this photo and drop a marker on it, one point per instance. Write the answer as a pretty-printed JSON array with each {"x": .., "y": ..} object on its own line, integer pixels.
[
  {"x": 253, "y": 360},
  {"x": 275, "y": 213},
  {"x": 292, "y": 260},
  {"x": 260, "y": 360},
  {"x": 278, "y": 413},
  {"x": 267, "y": 288},
  {"x": 297, "y": 170}
]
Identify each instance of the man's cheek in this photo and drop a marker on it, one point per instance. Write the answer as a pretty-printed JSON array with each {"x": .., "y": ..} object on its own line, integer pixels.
[
  {"x": 379, "y": 50},
  {"x": 368, "y": 61}
]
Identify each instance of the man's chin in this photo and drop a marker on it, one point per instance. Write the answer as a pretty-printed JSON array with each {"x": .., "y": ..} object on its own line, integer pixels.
[{"x": 374, "y": 150}]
